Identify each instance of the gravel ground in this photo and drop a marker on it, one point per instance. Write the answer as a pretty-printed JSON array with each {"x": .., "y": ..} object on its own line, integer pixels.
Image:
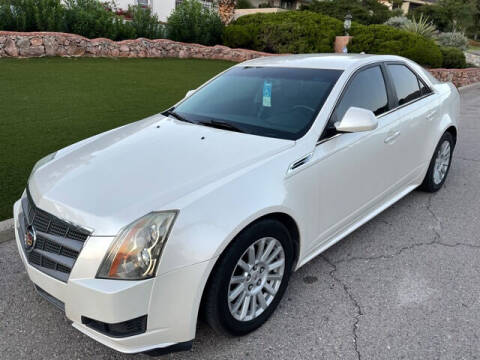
[{"x": 403, "y": 286}]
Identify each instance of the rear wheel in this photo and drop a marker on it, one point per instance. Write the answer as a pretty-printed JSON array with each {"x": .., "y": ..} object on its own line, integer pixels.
[
  {"x": 250, "y": 279},
  {"x": 439, "y": 165}
]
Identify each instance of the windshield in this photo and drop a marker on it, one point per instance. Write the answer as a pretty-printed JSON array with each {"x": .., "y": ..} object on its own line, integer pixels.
[{"x": 266, "y": 101}]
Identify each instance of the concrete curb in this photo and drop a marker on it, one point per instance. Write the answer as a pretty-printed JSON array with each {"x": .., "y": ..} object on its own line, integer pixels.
[
  {"x": 468, "y": 87},
  {"x": 6, "y": 230}
]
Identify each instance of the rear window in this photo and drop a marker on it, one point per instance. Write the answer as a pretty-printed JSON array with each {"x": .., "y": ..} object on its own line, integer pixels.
[{"x": 406, "y": 83}]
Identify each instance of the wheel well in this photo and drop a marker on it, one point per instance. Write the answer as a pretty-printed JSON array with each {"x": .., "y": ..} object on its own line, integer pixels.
[
  {"x": 453, "y": 131},
  {"x": 292, "y": 228}
]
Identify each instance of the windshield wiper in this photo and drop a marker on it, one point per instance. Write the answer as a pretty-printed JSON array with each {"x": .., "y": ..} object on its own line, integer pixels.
[
  {"x": 177, "y": 116},
  {"x": 221, "y": 125}
]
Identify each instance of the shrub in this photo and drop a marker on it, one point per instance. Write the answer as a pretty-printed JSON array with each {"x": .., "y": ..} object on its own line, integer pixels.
[
  {"x": 420, "y": 26},
  {"x": 286, "y": 32},
  {"x": 383, "y": 39},
  {"x": 437, "y": 14},
  {"x": 453, "y": 58},
  {"x": 145, "y": 23},
  {"x": 364, "y": 12},
  {"x": 453, "y": 39},
  {"x": 398, "y": 21},
  {"x": 32, "y": 15},
  {"x": 308, "y": 32},
  {"x": 451, "y": 15},
  {"x": 90, "y": 19},
  {"x": 244, "y": 4},
  {"x": 192, "y": 22}
]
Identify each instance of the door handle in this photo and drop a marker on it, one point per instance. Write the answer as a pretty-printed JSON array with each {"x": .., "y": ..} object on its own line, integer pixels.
[{"x": 391, "y": 138}]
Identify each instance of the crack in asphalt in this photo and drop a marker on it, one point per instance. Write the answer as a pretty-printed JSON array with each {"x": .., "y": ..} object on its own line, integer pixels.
[
  {"x": 355, "y": 303},
  {"x": 436, "y": 241}
]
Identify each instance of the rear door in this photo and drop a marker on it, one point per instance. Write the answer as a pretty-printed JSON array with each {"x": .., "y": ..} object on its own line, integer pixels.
[{"x": 416, "y": 109}]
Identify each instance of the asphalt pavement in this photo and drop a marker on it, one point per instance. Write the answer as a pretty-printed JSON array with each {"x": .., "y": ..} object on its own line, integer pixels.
[{"x": 403, "y": 286}]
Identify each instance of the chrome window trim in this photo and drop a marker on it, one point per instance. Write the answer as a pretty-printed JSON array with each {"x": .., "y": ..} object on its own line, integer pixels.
[
  {"x": 327, "y": 139},
  {"x": 406, "y": 104},
  {"x": 346, "y": 82},
  {"x": 378, "y": 63}
]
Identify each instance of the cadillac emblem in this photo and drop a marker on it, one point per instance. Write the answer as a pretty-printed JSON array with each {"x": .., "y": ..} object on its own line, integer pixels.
[{"x": 30, "y": 238}]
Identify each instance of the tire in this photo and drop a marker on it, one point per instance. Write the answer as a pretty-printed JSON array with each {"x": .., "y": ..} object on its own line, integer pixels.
[
  {"x": 432, "y": 182},
  {"x": 218, "y": 311}
]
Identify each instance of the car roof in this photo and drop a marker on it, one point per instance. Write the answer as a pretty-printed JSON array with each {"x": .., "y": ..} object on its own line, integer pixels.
[{"x": 320, "y": 61}]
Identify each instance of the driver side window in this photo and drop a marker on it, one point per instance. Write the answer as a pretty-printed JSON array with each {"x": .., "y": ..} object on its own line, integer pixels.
[{"x": 367, "y": 90}]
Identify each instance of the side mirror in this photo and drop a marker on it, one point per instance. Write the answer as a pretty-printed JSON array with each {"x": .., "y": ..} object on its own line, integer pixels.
[
  {"x": 357, "y": 120},
  {"x": 189, "y": 93}
]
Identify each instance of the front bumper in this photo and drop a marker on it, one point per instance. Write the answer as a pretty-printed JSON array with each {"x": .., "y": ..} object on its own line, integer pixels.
[{"x": 170, "y": 301}]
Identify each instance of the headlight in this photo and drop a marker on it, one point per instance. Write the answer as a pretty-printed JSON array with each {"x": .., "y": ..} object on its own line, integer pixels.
[
  {"x": 43, "y": 161},
  {"x": 136, "y": 250}
]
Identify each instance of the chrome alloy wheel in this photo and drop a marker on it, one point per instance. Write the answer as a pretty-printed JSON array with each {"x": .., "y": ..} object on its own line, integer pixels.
[
  {"x": 441, "y": 162},
  {"x": 256, "y": 279}
]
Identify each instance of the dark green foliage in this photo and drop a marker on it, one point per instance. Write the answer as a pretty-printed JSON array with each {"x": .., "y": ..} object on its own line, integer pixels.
[
  {"x": 436, "y": 14},
  {"x": 244, "y": 4},
  {"x": 191, "y": 22},
  {"x": 364, "y": 12},
  {"x": 383, "y": 39},
  {"x": 145, "y": 23},
  {"x": 89, "y": 18},
  {"x": 453, "y": 58},
  {"x": 453, "y": 15},
  {"x": 286, "y": 32},
  {"x": 308, "y": 32},
  {"x": 32, "y": 15}
]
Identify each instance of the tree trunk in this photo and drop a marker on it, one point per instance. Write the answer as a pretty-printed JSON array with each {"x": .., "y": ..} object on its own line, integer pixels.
[{"x": 226, "y": 10}]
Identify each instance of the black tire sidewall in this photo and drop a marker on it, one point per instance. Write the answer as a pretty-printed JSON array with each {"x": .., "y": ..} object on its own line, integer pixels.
[
  {"x": 266, "y": 228},
  {"x": 429, "y": 184}
]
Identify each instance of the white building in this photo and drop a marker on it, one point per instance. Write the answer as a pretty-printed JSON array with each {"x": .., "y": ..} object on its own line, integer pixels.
[{"x": 163, "y": 8}]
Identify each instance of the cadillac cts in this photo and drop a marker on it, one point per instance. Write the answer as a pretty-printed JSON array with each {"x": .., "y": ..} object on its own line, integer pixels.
[{"x": 206, "y": 209}]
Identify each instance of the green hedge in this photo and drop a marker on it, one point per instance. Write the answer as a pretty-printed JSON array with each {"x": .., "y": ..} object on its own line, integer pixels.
[
  {"x": 383, "y": 39},
  {"x": 453, "y": 58},
  {"x": 192, "y": 22},
  {"x": 309, "y": 32},
  {"x": 364, "y": 12},
  {"x": 89, "y": 18},
  {"x": 286, "y": 32}
]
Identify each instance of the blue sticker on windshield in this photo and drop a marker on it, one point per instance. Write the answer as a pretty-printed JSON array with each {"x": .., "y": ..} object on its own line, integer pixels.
[{"x": 267, "y": 93}]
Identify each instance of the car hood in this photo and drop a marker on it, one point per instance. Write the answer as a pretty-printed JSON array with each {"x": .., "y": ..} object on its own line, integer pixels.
[{"x": 105, "y": 182}]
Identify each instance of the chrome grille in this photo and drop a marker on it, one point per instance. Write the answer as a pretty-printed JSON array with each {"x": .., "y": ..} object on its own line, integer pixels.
[{"x": 58, "y": 243}]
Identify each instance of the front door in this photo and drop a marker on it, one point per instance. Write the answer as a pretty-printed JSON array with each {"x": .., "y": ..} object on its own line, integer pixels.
[{"x": 353, "y": 172}]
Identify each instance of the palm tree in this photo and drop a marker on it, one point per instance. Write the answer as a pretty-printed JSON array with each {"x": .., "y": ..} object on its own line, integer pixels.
[{"x": 226, "y": 10}]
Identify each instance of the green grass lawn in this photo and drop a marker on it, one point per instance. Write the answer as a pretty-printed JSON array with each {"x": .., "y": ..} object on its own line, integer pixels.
[{"x": 49, "y": 103}]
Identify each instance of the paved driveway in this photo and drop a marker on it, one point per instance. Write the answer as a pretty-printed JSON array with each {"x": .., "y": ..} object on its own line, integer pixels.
[{"x": 404, "y": 286}]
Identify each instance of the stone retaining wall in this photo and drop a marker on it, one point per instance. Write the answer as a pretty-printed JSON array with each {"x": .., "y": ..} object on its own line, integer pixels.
[
  {"x": 38, "y": 44},
  {"x": 460, "y": 77}
]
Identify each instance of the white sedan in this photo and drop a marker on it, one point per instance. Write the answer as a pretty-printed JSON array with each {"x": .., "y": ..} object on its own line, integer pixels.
[{"x": 207, "y": 208}]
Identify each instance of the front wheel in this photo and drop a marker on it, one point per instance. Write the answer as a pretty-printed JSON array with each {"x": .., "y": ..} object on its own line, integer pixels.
[
  {"x": 439, "y": 165},
  {"x": 250, "y": 279}
]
